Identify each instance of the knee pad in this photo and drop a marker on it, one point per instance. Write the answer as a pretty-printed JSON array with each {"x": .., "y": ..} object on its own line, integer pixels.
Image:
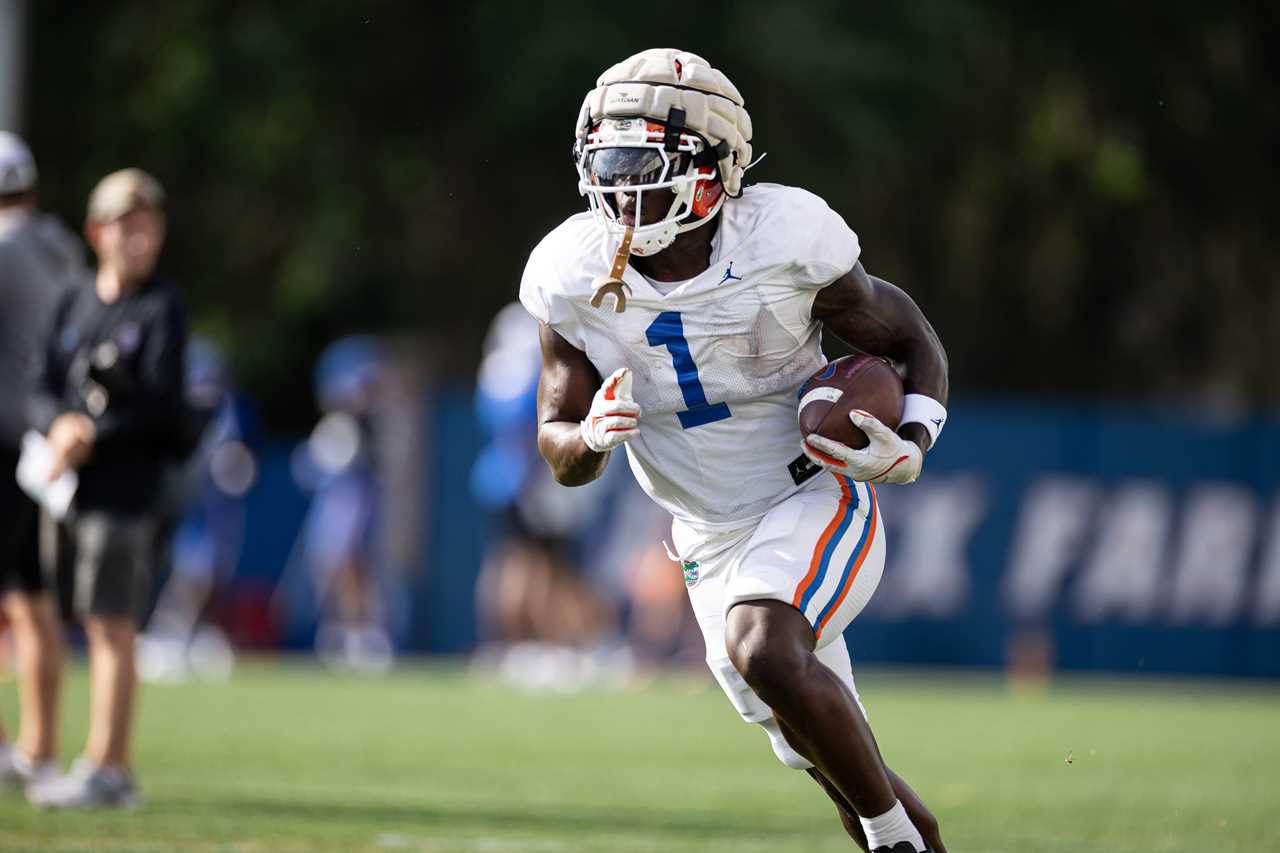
[
  {"x": 835, "y": 657},
  {"x": 745, "y": 701},
  {"x": 781, "y": 748},
  {"x": 753, "y": 709}
]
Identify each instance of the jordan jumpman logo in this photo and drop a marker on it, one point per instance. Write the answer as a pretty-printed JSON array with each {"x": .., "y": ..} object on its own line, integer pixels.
[{"x": 728, "y": 274}]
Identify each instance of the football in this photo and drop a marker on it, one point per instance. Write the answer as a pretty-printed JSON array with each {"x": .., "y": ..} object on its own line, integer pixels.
[{"x": 866, "y": 382}]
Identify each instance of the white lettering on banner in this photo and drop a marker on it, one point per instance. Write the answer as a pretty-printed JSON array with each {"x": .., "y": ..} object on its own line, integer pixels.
[
  {"x": 1217, "y": 535},
  {"x": 1142, "y": 552},
  {"x": 929, "y": 571},
  {"x": 1123, "y": 575},
  {"x": 1056, "y": 514},
  {"x": 1267, "y": 610}
]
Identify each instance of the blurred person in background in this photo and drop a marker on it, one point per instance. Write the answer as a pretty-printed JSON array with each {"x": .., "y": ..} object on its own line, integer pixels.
[
  {"x": 547, "y": 602},
  {"x": 204, "y": 507},
  {"x": 39, "y": 260},
  {"x": 107, "y": 395},
  {"x": 660, "y": 626},
  {"x": 338, "y": 556}
]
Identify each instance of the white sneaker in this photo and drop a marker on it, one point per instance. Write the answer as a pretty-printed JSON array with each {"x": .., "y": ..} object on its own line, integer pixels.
[
  {"x": 86, "y": 786},
  {"x": 18, "y": 771}
]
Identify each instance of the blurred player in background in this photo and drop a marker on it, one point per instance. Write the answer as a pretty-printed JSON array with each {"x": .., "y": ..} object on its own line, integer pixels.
[
  {"x": 204, "y": 501},
  {"x": 337, "y": 564},
  {"x": 549, "y": 619},
  {"x": 108, "y": 397},
  {"x": 39, "y": 260},
  {"x": 660, "y": 625},
  {"x": 701, "y": 303}
]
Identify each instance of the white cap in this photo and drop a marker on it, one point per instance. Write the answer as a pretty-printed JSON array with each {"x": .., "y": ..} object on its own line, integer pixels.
[
  {"x": 123, "y": 191},
  {"x": 17, "y": 166}
]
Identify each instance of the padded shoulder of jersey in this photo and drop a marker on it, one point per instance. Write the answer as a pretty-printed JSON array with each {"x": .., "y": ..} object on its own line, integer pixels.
[
  {"x": 779, "y": 225},
  {"x": 557, "y": 264},
  {"x": 555, "y": 273},
  {"x": 775, "y": 205}
]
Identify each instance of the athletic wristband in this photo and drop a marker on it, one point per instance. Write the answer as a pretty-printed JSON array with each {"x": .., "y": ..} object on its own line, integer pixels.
[{"x": 926, "y": 411}]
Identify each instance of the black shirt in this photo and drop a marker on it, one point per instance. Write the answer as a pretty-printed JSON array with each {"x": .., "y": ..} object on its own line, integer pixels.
[
  {"x": 121, "y": 364},
  {"x": 39, "y": 259}
]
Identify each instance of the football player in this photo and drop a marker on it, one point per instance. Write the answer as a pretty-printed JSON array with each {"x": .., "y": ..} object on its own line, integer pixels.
[{"x": 701, "y": 302}]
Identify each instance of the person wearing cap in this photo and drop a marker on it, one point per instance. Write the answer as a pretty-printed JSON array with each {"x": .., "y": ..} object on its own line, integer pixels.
[
  {"x": 39, "y": 258},
  {"x": 108, "y": 396}
]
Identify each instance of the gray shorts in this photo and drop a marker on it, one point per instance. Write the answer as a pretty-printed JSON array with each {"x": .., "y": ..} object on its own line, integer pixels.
[{"x": 100, "y": 563}]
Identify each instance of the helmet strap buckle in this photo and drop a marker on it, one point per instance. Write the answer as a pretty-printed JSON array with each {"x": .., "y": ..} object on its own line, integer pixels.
[{"x": 675, "y": 127}]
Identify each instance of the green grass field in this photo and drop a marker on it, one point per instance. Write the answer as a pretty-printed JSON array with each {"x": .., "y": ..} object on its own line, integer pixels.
[{"x": 289, "y": 758}]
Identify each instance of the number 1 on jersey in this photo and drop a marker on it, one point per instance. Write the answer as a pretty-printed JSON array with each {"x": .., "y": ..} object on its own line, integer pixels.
[{"x": 667, "y": 330}]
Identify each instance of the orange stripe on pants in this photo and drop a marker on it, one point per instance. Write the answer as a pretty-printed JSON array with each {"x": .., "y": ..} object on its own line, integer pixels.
[
  {"x": 862, "y": 555},
  {"x": 816, "y": 560}
]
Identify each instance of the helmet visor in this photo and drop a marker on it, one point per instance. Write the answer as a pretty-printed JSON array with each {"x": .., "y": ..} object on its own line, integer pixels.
[{"x": 626, "y": 167}]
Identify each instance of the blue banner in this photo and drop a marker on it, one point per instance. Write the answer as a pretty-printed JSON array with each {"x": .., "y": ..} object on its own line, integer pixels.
[
  {"x": 1041, "y": 534},
  {"x": 1106, "y": 540}
]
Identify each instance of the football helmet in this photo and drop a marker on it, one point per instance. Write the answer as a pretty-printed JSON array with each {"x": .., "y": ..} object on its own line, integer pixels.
[
  {"x": 660, "y": 142},
  {"x": 636, "y": 174}
]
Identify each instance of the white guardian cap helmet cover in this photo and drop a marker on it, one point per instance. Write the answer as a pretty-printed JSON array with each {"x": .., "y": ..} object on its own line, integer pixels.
[{"x": 661, "y": 120}]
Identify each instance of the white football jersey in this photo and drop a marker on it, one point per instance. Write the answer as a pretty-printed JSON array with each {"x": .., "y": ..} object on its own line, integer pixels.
[{"x": 717, "y": 361}]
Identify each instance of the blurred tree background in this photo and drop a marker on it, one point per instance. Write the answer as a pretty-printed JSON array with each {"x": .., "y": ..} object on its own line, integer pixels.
[{"x": 1080, "y": 197}]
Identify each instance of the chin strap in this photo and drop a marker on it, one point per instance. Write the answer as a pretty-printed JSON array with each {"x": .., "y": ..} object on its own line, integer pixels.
[{"x": 612, "y": 284}]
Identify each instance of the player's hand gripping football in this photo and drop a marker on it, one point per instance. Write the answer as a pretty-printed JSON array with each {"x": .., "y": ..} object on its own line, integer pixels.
[
  {"x": 614, "y": 415},
  {"x": 888, "y": 458}
]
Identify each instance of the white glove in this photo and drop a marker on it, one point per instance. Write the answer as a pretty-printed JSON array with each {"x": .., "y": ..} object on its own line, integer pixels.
[
  {"x": 614, "y": 415},
  {"x": 889, "y": 458}
]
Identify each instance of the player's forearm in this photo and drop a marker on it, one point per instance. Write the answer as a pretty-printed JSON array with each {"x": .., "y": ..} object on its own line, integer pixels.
[
  {"x": 877, "y": 317},
  {"x": 912, "y": 342},
  {"x": 572, "y": 462},
  {"x": 880, "y": 318},
  {"x": 924, "y": 364}
]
